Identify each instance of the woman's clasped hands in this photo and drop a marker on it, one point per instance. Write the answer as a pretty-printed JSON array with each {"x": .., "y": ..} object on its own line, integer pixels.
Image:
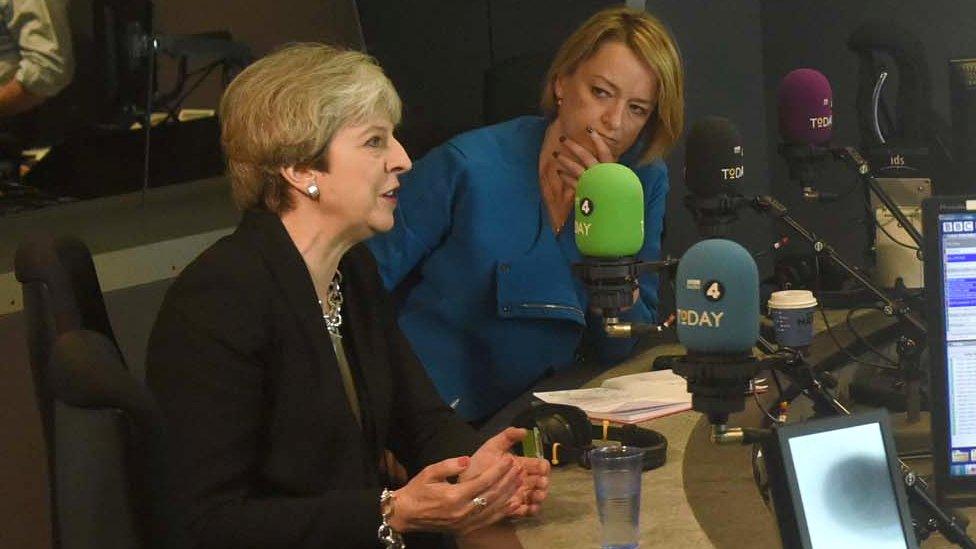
[{"x": 491, "y": 485}]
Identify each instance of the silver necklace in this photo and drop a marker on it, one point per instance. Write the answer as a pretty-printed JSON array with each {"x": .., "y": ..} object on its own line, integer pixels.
[{"x": 333, "y": 310}]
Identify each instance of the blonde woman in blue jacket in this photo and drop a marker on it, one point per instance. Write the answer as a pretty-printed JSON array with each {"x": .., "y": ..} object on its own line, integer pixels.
[{"x": 483, "y": 244}]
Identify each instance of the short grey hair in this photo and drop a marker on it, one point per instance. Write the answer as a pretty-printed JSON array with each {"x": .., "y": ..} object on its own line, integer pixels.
[{"x": 284, "y": 109}]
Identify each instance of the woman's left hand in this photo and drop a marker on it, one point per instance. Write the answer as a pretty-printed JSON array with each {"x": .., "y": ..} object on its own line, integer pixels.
[
  {"x": 535, "y": 487},
  {"x": 535, "y": 476},
  {"x": 574, "y": 158}
]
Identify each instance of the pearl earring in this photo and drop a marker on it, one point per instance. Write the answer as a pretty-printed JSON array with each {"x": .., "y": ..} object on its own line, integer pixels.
[
  {"x": 559, "y": 101},
  {"x": 313, "y": 191}
]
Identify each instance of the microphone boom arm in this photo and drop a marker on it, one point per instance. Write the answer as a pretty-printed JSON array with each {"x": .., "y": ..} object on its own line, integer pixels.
[
  {"x": 770, "y": 206},
  {"x": 851, "y": 157},
  {"x": 910, "y": 345}
]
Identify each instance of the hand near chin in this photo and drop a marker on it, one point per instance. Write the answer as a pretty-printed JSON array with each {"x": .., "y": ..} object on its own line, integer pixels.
[
  {"x": 574, "y": 158},
  {"x": 534, "y": 472}
]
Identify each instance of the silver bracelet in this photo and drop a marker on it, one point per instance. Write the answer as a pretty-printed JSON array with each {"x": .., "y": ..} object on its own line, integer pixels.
[{"x": 390, "y": 538}]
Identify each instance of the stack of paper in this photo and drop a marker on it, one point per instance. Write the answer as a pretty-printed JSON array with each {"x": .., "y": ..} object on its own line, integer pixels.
[{"x": 628, "y": 399}]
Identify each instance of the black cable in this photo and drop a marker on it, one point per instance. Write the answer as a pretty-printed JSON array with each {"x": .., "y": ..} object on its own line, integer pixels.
[
  {"x": 862, "y": 340},
  {"x": 830, "y": 331},
  {"x": 779, "y": 384},
  {"x": 775, "y": 420},
  {"x": 147, "y": 121},
  {"x": 845, "y": 350},
  {"x": 893, "y": 239},
  {"x": 779, "y": 395},
  {"x": 870, "y": 215}
]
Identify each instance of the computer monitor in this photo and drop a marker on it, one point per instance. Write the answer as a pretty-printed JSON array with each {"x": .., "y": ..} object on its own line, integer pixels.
[
  {"x": 949, "y": 226},
  {"x": 836, "y": 483}
]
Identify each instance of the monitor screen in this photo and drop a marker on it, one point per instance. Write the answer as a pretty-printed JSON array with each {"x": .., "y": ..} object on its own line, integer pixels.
[
  {"x": 836, "y": 482},
  {"x": 957, "y": 252},
  {"x": 846, "y": 490}
]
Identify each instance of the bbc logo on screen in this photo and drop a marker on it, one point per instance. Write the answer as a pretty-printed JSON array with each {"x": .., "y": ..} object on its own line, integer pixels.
[{"x": 957, "y": 226}]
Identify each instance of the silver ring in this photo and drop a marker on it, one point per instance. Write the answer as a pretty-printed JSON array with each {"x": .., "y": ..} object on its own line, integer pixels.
[{"x": 479, "y": 502}]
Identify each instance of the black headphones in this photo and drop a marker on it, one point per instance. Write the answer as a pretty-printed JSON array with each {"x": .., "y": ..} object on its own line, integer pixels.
[{"x": 567, "y": 435}]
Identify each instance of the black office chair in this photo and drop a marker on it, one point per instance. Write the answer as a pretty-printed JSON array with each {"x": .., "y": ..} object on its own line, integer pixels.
[
  {"x": 109, "y": 436},
  {"x": 61, "y": 294},
  {"x": 102, "y": 427}
]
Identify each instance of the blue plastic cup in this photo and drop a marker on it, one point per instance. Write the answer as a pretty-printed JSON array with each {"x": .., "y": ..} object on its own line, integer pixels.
[
  {"x": 617, "y": 481},
  {"x": 792, "y": 315}
]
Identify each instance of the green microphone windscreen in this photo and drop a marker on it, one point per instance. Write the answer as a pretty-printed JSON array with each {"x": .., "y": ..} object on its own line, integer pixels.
[{"x": 609, "y": 212}]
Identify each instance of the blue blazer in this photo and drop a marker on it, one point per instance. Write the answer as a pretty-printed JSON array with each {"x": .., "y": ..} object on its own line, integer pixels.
[{"x": 491, "y": 304}]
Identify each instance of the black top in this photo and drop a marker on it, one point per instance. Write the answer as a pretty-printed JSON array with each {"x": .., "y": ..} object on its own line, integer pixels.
[{"x": 264, "y": 448}]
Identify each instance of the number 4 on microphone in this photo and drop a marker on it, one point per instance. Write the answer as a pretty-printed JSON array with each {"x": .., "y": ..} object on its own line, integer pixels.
[{"x": 714, "y": 290}]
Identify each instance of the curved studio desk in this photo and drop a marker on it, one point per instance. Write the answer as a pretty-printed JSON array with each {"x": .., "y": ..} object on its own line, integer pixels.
[{"x": 704, "y": 496}]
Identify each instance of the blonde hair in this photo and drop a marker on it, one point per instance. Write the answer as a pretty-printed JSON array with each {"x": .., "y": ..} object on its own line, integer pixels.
[
  {"x": 284, "y": 110},
  {"x": 651, "y": 42}
]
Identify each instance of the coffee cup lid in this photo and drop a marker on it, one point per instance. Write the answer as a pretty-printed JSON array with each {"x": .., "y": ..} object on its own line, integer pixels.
[{"x": 792, "y": 299}]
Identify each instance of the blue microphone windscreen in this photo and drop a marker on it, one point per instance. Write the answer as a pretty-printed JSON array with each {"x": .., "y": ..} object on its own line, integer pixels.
[{"x": 717, "y": 297}]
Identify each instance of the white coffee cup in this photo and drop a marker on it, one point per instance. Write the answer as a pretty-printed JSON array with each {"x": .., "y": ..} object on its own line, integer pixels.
[{"x": 792, "y": 314}]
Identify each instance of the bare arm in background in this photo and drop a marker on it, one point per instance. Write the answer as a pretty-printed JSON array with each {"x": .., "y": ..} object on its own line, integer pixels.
[{"x": 43, "y": 36}]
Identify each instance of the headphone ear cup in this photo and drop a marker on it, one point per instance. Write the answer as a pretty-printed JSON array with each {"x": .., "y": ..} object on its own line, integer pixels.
[
  {"x": 580, "y": 427},
  {"x": 567, "y": 426},
  {"x": 553, "y": 430}
]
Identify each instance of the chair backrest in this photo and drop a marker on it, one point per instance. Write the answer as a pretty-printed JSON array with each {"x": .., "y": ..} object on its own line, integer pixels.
[
  {"x": 94, "y": 446},
  {"x": 61, "y": 293},
  {"x": 109, "y": 437},
  {"x": 65, "y": 266}
]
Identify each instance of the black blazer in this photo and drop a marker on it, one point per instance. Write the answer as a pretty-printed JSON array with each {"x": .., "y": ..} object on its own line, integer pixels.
[{"x": 265, "y": 450}]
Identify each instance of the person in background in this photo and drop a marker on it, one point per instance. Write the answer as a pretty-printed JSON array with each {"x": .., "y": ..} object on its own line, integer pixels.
[
  {"x": 276, "y": 357},
  {"x": 480, "y": 255},
  {"x": 36, "y": 55}
]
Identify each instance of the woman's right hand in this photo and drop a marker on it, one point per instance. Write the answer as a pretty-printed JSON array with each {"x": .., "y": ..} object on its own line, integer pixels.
[{"x": 430, "y": 503}]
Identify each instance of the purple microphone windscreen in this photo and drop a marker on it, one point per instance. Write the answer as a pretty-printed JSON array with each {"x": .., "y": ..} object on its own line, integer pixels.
[{"x": 805, "y": 108}]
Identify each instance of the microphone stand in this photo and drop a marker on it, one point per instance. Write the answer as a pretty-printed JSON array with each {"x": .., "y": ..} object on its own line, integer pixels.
[
  {"x": 717, "y": 393},
  {"x": 853, "y": 158},
  {"x": 804, "y": 162},
  {"x": 910, "y": 344},
  {"x": 611, "y": 284}
]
